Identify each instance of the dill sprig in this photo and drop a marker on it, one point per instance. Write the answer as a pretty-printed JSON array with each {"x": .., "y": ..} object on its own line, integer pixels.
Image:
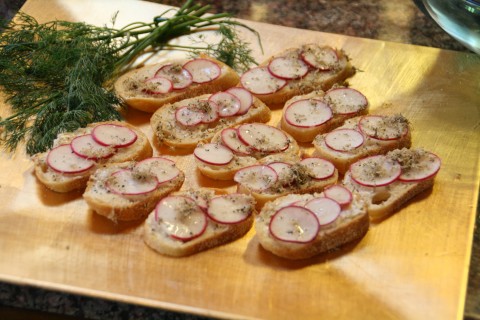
[{"x": 58, "y": 75}]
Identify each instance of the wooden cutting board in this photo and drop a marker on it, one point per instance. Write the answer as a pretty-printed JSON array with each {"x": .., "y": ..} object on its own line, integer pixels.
[{"x": 413, "y": 265}]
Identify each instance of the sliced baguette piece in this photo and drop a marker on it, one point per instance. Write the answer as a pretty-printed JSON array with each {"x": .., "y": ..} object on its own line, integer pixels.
[
  {"x": 172, "y": 133},
  {"x": 66, "y": 182},
  {"x": 351, "y": 224},
  {"x": 370, "y": 146},
  {"x": 134, "y": 90},
  {"x": 386, "y": 199},
  {"x": 315, "y": 79},
  {"x": 106, "y": 199},
  {"x": 161, "y": 238}
]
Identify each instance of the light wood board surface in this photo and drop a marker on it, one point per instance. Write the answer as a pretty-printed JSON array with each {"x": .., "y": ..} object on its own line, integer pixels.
[{"x": 413, "y": 265}]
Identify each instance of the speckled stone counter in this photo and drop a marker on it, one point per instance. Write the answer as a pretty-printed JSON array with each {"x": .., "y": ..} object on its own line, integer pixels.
[{"x": 399, "y": 21}]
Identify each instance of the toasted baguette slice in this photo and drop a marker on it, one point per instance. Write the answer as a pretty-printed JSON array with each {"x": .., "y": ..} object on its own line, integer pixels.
[
  {"x": 370, "y": 146},
  {"x": 65, "y": 182},
  {"x": 108, "y": 196},
  {"x": 351, "y": 224},
  {"x": 332, "y": 107},
  {"x": 162, "y": 238},
  {"x": 418, "y": 171},
  {"x": 172, "y": 133},
  {"x": 134, "y": 90},
  {"x": 336, "y": 73}
]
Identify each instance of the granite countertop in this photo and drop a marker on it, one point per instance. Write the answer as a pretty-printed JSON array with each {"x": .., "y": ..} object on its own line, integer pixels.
[{"x": 399, "y": 21}]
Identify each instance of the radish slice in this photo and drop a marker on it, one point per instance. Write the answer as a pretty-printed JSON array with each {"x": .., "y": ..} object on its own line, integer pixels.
[
  {"x": 339, "y": 193},
  {"x": 63, "y": 159},
  {"x": 127, "y": 182},
  {"x": 227, "y": 104},
  {"x": 344, "y": 139},
  {"x": 260, "y": 81},
  {"x": 231, "y": 140},
  {"x": 294, "y": 224},
  {"x": 257, "y": 177},
  {"x": 229, "y": 209},
  {"x": 308, "y": 113},
  {"x": 345, "y": 100},
  {"x": 158, "y": 85},
  {"x": 181, "y": 217},
  {"x": 114, "y": 135},
  {"x": 287, "y": 68},
  {"x": 203, "y": 70},
  {"x": 375, "y": 171},
  {"x": 384, "y": 127},
  {"x": 323, "y": 58},
  {"x": 86, "y": 147},
  {"x": 424, "y": 168},
  {"x": 180, "y": 77},
  {"x": 326, "y": 209},
  {"x": 245, "y": 97},
  {"x": 262, "y": 137},
  {"x": 319, "y": 168},
  {"x": 162, "y": 168},
  {"x": 189, "y": 116},
  {"x": 212, "y": 153},
  {"x": 282, "y": 169}
]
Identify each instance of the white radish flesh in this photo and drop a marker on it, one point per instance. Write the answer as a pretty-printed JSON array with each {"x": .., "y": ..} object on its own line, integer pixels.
[
  {"x": 260, "y": 81},
  {"x": 344, "y": 139},
  {"x": 229, "y": 209},
  {"x": 308, "y": 113},
  {"x": 323, "y": 58},
  {"x": 319, "y": 168},
  {"x": 232, "y": 141},
  {"x": 203, "y": 70},
  {"x": 257, "y": 177},
  {"x": 227, "y": 104},
  {"x": 214, "y": 154},
  {"x": 180, "y": 77},
  {"x": 339, "y": 193},
  {"x": 163, "y": 169},
  {"x": 383, "y": 127},
  {"x": 326, "y": 209},
  {"x": 62, "y": 159},
  {"x": 427, "y": 166},
  {"x": 287, "y": 68},
  {"x": 245, "y": 97},
  {"x": 188, "y": 116},
  {"x": 282, "y": 169},
  {"x": 126, "y": 182},
  {"x": 86, "y": 147},
  {"x": 375, "y": 171},
  {"x": 346, "y": 100},
  {"x": 294, "y": 224},
  {"x": 263, "y": 137},
  {"x": 158, "y": 85},
  {"x": 114, "y": 135}
]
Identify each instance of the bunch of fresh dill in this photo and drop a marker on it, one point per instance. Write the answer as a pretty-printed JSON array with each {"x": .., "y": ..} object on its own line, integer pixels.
[{"x": 58, "y": 75}]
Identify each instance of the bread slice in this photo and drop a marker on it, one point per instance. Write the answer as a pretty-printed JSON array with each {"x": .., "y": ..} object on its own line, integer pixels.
[
  {"x": 172, "y": 133},
  {"x": 116, "y": 206},
  {"x": 315, "y": 79},
  {"x": 133, "y": 89},
  {"x": 385, "y": 199},
  {"x": 351, "y": 224},
  {"x": 157, "y": 236},
  {"x": 370, "y": 146},
  {"x": 65, "y": 182}
]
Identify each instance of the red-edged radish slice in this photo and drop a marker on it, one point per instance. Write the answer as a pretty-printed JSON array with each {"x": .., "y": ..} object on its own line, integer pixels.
[
  {"x": 214, "y": 154},
  {"x": 319, "y": 168},
  {"x": 260, "y": 81},
  {"x": 339, "y": 193},
  {"x": 307, "y": 113},
  {"x": 189, "y": 116},
  {"x": 158, "y": 85},
  {"x": 287, "y": 68},
  {"x": 346, "y": 100},
  {"x": 181, "y": 217},
  {"x": 256, "y": 177},
  {"x": 294, "y": 224},
  {"x": 230, "y": 139},
  {"x": 114, "y": 135},
  {"x": 375, "y": 171},
  {"x": 86, "y": 147},
  {"x": 210, "y": 111},
  {"x": 229, "y": 209},
  {"x": 203, "y": 70},
  {"x": 245, "y": 97},
  {"x": 344, "y": 139},
  {"x": 227, "y": 104},
  {"x": 282, "y": 169},
  {"x": 300, "y": 203},
  {"x": 323, "y": 58},
  {"x": 62, "y": 159},
  {"x": 326, "y": 209},
  {"x": 180, "y": 77},
  {"x": 424, "y": 168},
  {"x": 383, "y": 127},
  {"x": 163, "y": 169},
  {"x": 262, "y": 137},
  {"x": 127, "y": 182}
]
